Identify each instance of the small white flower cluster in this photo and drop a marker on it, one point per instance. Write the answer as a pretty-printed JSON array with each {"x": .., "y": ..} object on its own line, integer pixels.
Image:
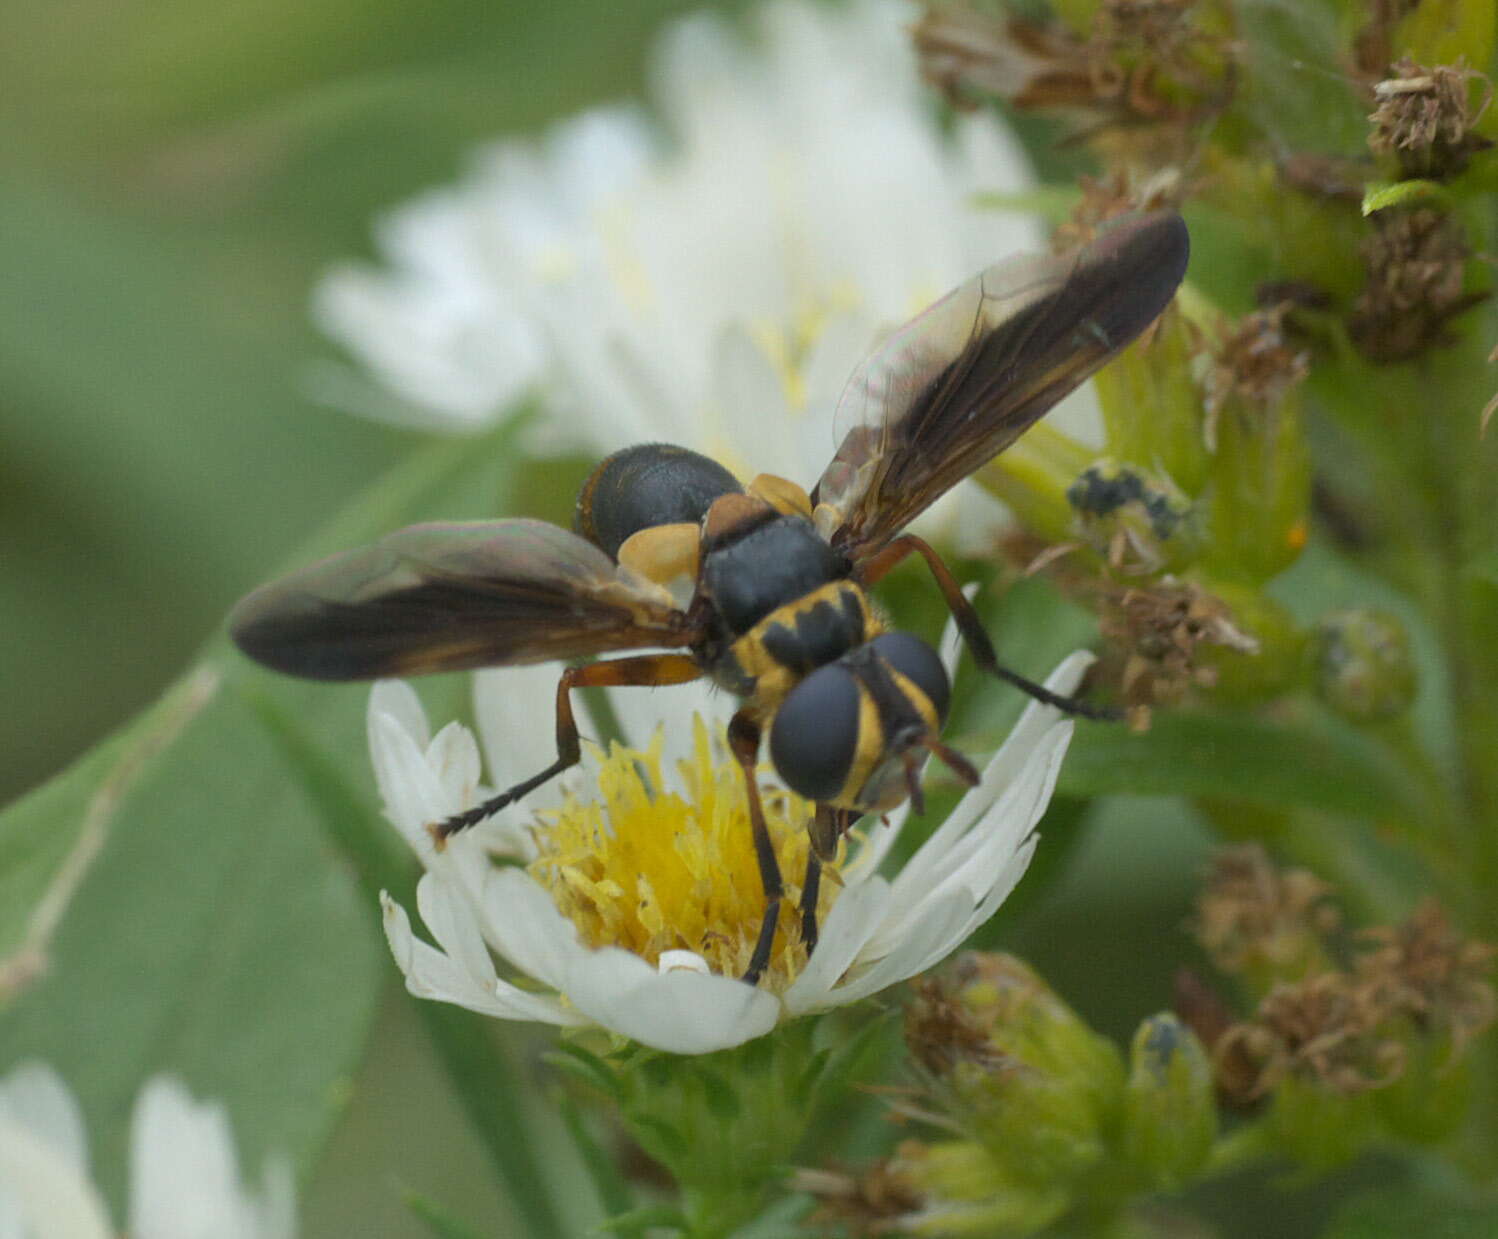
[
  {"x": 184, "y": 1176},
  {"x": 712, "y": 285}
]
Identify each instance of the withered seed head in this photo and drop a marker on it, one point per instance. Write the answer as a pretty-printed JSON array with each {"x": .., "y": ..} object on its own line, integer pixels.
[
  {"x": 1416, "y": 262},
  {"x": 1107, "y": 197},
  {"x": 1424, "y": 118},
  {"x": 1251, "y": 914},
  {"x": 1144, "y": 64},
  {"x": 1254, "y": 362},
  {"x": 1433, "y": 973},
  {"x": 1157, "y": 629},
  {"x": 1327, "y": 1029},
  {"x": 869, "y": 1204},
  {"x": 940, "y": 1032}
]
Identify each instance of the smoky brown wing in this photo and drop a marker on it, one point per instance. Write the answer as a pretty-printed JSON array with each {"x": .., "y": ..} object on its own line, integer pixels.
[
  {"x": 452, "y": 597},
  {"x": 958, "y": 384}
]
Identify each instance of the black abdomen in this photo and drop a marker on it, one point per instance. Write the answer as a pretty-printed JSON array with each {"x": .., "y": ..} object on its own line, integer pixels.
[{"x": 647, "y": 485}]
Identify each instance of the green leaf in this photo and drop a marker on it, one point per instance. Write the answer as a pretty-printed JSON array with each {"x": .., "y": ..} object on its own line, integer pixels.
[
  {"x": 1314, "y": 762},
  {"x": 1397, "y": 1213},
  {"x": 185, "y": 945},
  {"x": 585, "y": 1066},
  {"x": 1381, "y": 195},
  {"x": 643, "y": 1219},
  {"x": 178, "y": 886},
  {"x": 438, "y": 1220},
  {"x": 607, "y": 1178}
]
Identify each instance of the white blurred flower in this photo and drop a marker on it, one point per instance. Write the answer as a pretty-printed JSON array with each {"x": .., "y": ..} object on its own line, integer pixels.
[
  {"x": 710, "y": 283},
  {"x": 184, "y": 1178},
  {"x": 637, "y": 910}
]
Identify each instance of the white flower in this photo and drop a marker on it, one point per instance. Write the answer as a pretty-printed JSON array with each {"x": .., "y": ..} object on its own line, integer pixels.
[
  {"x": 184, "y": 1180},
  {"x": 664, "y": 860},
  {"x": 687, "y": 285}
]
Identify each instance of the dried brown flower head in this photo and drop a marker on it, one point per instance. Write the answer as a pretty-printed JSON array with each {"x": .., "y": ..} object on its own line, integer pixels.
[
  {"x": 1424, "y": 118},
  {"x": 1108, "y": 197},
  {"x": 1253, "y": 367},
  {"x": 1156, "y": 631},
  {"x": 1254, "y": 916},
  {"x": 1433, "y": 973},
  {"x": 869, "y": 1204},
  {"x": 1416, "y": 262},
  {"x": 1329, "y": 1030},
  {"x": 1143, "y": 63},
  {"x": 941, "y": 1032}
]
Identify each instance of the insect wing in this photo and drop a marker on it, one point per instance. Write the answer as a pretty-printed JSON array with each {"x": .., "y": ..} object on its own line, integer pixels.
[
  {"x": 958, "y": 384},
  {"x": 452, "y": 597}
]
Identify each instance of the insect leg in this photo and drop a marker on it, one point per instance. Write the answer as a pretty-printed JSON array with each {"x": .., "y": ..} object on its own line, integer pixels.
[
  {"x": 971, "y": 627},
  {"x": 826, "y": 831},
  {"x": 811, "y": 887},
  {"x": 635, "y": 671},
  {"x": 743, "y": 739}
]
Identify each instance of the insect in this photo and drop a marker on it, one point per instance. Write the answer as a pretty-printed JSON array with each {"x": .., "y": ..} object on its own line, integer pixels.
[{"x": 778, "y": 612}]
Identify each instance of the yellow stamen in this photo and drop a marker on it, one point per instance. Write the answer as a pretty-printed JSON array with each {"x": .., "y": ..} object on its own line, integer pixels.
[{"x": 653, "y": 870}]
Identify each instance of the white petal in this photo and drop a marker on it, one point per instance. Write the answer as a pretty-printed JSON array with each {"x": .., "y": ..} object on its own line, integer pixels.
[
  {"x": 399, "y": 700},
  {"x": 184, "y": 1175},
  {"x": 682, "y": 1012},
  {"x": 521, "y": 922},
  {"x": 448, "y": 913},
  {"x": 45, "y": 1192},
  {"x": 454, "y": 758},
  {"x": 928, "y": 941},
  {"x": 34, "y": 1097},
  {"x": 431, "y": 974},
  {"x": 1010, "y": 761},
  {"x": 856, "y": 914},
  {"x": 673, "y": 961},
  {"x": 967, "y": 864},
  {"x": 412, "y": 792}
]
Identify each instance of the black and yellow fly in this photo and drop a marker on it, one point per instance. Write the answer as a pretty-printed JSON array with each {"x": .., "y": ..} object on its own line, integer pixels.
[{"x": 778, "y": 612}]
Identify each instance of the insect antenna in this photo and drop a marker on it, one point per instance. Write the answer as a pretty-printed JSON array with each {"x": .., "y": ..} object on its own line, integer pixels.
[{"x": 953, "y": 760}]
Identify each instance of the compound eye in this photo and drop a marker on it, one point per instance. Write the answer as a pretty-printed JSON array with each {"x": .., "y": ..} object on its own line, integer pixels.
[
  {"x": 815, "y": 733},
  {"x": 919, "y": 664}
]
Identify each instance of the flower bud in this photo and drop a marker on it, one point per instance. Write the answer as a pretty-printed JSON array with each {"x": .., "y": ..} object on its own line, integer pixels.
[
  {"x": 965, "y": 1193},
  {"x": 1170, "y": 1118},
  {"x": 1361, "y": 664},
  {"x": 1260, "y": 475},
  {"x": 1017, "y": 1068},
  {"x": 1428, "y": 1103},
  {"x": 1151, "y": 407},
  {"x": 1129, "y": 513},
  {"x": 1319, "y": 1129},
  {"x": 1033, "y": 477},
  {"x": 1274, "y": 660}
]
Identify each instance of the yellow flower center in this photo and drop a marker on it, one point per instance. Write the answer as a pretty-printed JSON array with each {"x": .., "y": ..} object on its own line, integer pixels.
[{"x": 653, "y": 870}]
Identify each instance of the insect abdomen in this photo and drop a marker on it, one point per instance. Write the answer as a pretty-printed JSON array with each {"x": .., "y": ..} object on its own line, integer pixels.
[{"x": 644, "y": 486}]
